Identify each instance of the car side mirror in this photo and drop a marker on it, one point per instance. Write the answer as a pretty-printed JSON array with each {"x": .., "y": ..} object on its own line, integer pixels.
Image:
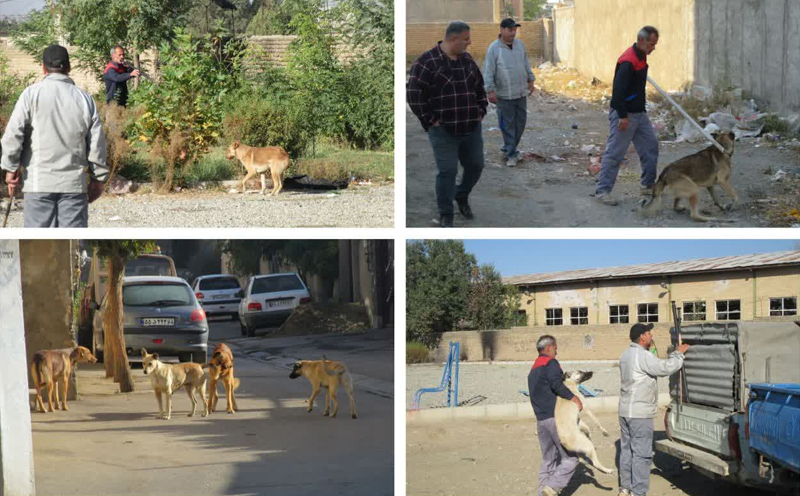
[{"x": 94, "y": 306}]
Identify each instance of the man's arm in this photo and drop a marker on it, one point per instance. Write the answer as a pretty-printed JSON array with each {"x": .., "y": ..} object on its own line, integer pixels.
[
  {"x": 489, "y": 68},
  {"x": 657, "y": 367},
  {"x": 14, "y": 137},
  {"x": 528, "y": 69},
  {"x": 621, "y": 80},
  {"x": 480, "y": 92},
  {"x": 552, "y": 372},
  {"x": 112, "y": 75},
  {"x": 96, "y": 148},
  {"x": 419, "y": 81}
]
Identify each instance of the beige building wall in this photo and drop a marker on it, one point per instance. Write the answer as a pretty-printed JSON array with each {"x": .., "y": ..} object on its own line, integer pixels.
[{"x": 753, "y": 288}]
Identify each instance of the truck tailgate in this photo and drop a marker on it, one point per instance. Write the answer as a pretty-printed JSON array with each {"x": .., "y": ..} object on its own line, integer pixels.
[{"x": 701, "y": 426}]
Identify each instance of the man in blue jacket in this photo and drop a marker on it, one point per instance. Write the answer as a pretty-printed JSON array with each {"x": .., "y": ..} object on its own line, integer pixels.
[
  {"x": 116, "y": 75},
  {"x": 544, "y": 384}
]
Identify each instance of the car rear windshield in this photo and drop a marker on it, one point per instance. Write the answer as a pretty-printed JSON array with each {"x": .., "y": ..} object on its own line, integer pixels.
[
  {"x": 218, "y": 283},
  {"x": 156, "y": 295},
  {"x": 277, "y": 284},
  {"x": 147, "y": 266}
]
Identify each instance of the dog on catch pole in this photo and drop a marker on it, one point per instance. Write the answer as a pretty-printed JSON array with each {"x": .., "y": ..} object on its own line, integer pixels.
[
  {"x": 166, "y": 378},
  {"x": 572, "y": 431},
  {"x": 51, "y": 367},
  {"x": 329, "y": 375},
  {"x": 258, "y": 160},
  {"x": 687, "y": 175},
  {"x": 220, "y": 369}
]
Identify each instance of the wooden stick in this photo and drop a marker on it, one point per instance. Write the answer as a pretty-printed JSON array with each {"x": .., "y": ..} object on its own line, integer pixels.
[
  {"x": 8, "y": 210},
  {"x": 683, "y": 112}
]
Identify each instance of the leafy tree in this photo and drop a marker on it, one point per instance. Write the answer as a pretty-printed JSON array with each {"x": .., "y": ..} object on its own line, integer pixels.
[
  {"x": 205, "y": 14},
  {"x": 492, "y": 305},
  {"x": 533, "y": 9},
  {"x": 274, "y": 18},
  {"x": 11, "y": 87},
  {"x": 117, "y": 252},
  {"x": 438, "y": 279}
]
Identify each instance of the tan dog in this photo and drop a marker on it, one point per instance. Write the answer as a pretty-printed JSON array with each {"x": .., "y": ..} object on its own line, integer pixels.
[
  {"x": 320, "y": 376},
  {"x": 703, "y": 169},
  {"x": 51, "y": 367},
  {"x": 572, "y": 431},
  {"x": 220, "y": 368},
  {"x": 258, "y": 161},
  {"x": 167, "y": 378}
]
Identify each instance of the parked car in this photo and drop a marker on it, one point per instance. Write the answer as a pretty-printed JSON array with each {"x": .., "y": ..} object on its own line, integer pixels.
[
  {"x": 160, "y": 314},
  {"x": 218, "y": 294},
  {"x": 723, "y": 430},
  {"x": 269, "y": 300}
]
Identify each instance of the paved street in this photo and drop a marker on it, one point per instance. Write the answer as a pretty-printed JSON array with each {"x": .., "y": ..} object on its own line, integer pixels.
[{"x": 112, "y": 444}]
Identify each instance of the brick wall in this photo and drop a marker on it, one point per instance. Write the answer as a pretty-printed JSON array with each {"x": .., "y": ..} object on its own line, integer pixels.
[{"x": 421, "y": 37}]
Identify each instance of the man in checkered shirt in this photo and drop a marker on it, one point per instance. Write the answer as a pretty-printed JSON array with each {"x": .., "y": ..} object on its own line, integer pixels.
[{"x": 445, "y": 91}]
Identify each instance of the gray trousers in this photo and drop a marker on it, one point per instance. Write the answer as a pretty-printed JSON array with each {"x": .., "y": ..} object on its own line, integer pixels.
[
  {"x": 636, "y": 454},
  {"x": 56, "y": 210},
  {"x": 449, "y": 150},
  {"x": 557, "y": 465},
  {"x": 640, "y": 131},
  {"x": 512, "y": 116}
]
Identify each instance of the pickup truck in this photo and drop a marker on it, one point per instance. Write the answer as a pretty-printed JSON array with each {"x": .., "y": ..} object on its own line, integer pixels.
[{"x": 735, "y": 409}]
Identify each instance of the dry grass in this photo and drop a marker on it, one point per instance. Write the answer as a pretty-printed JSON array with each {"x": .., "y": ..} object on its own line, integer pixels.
[
  {"x": 331, "y": 170},
  {"x": 174, "y": 155},
  {"x": 118, "y": 149},
  {"x": 571, "y": 84}
]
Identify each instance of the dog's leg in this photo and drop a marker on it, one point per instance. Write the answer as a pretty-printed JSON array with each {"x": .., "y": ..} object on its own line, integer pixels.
[
  {"x": 190, "y": 392},
  {"x": 726, "y": 185},
  {"x": 584, "y": 428},
  {"x": 314, "y": 393},
  {"x": 677, "y": 205},
  {"x": 160, "y": 405},
  {"x": 39, "y": 402},
  {"x": 233, "y": 391},
  {"x": 50, "y": 385},
  {"x": 168, "y": 394},
  {"x": 65, "y": 382},
  {"x": 334, "y": 398},
  {"x": 213, "y": 396},
  {"x": 203, "y": 397},
  {"x": 715, "y": 196},
  {"x": 597, "y": 422},
  {"x": 348, "y": 384},
  {"x": 56, "y": 384},
  {"x": 229, "y": 394},
  {"x": 327, "y": 401},
  {"x": 263, "y": 183},
  {"x": 585, "y": 446},
  {"x": 277, "y": 183},
  {"x": 247, "y": 178}
]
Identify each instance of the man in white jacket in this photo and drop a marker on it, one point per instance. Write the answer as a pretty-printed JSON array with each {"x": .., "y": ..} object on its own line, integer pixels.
[
  {"x": 638, "y": 403},
  {"x": 508, "y": 79}
]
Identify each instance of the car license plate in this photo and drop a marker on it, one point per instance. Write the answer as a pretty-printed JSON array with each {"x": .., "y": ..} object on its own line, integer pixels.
[
  {"x": 279, "y": 304},
  {"x": 158, "y": 322},
  {"x": 221, "y": 297}
]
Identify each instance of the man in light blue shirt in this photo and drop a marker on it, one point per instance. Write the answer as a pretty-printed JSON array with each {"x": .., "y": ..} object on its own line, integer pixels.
[{"x": 509, "y": 81}]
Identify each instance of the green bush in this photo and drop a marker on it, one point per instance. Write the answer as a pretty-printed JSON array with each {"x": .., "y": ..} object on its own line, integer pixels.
[
  {"x": 774, "y": 124},
  {"x": 417, "y": 352},
  {"x": 262, "y": 120},
  {"x": 11, "y": 87}
]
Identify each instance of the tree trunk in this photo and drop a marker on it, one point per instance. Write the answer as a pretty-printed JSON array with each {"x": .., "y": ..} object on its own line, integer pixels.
[
  {"x": 112, "y": 323},
  {"x": 138, "y": 65}
]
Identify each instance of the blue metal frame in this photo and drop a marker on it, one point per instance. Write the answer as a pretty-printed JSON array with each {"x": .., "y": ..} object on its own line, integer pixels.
[{"x": 453, "y": 358}]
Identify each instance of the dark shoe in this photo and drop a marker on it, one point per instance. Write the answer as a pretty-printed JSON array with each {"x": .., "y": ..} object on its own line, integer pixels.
[
  {"x": 446, "y": 221},
  {"x": 464, "y": 208}
]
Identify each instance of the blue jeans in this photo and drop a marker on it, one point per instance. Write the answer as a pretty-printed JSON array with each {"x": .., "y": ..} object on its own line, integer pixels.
[
  {"x": 512, "y": 115},
  {"x": 449, "y": 150},
  {"x": 640, "y": 131}
]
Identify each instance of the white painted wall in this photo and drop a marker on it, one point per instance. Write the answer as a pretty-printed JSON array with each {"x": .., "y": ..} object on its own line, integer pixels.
[{"x": 16, "y": 442}]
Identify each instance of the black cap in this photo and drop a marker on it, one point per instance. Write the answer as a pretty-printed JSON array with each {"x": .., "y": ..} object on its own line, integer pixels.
[
  {"x": 56, "y": 57},
  {"x": 509, "y": 23},
  {"x": 639, "y": 329}
]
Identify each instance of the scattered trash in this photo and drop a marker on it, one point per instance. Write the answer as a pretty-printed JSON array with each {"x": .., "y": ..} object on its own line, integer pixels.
[
  {"x": 780, "y": 175},
  {"x": 116, "y": 217},
  {"x": 330, "y": 195},
  {"x": 556, "y": 158},
  {"x": 711, "y": 128},
  {"x": 546, "y": 65},
  {"x": 772, "y": 137},
  {"x": 573, "y": 108},
  {"x": 566, "y": 143},
  {"x": 534, "y": 157},
  {"x": 120, "y": 186},
  {"x": 794, "y": 123},
  {"x": 178, "y": 188},
  {"x": 233, "y": 191},
  {"x": 588, "y": 148},
  {"x": 572, "y": 84},
  {"x": 594, "y": 166},
  {"x": 495, "y": 164},
  {"x": 724, "y": 120},
  {"x": 687, "y": 132},
  {"x": 702, "y": 92},
  {"x": 574, "y": 126},
  {"x": 768, "y": 171},
  {"x": 493, "y": 129},
  {"x": 595, "y": 81}
]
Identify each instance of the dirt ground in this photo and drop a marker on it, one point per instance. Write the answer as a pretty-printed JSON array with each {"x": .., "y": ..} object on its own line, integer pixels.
[
  {"x": 544, "y": 191},
  {"x": 495, "y": 457}
]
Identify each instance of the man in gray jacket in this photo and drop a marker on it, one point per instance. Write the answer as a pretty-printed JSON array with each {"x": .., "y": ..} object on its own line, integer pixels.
[
  {"x": 54, "y": 133},
  {"x": 508, "y": 79},
  {"x": 638, "y": 404}
]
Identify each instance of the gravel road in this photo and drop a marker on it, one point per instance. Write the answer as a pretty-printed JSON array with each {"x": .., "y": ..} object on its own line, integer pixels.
[
  {"x": 357, "y": 206},
  {"x": 498, "y": 383}
]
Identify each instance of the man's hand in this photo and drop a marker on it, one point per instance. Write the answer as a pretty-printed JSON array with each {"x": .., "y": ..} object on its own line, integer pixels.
[
  {"x": 12, "y": 180},
  {"x": 135, "y": 73},
  {"x": 95, "y": 190},
  {"x": 577, "y": 401},
  {"x": 683, "y": 347},
  {"x": 531, "y": 87},
  {"x": 623, "y": 124},
  {"x": 492, "y": 96}
]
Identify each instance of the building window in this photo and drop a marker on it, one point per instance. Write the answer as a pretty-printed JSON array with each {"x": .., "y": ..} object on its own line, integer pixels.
[
  {"x": 618, "y": 314},
  {"x": 554, "y": 316},
  {"x": 729, "y": 310},
  {"x": 579, "y": 315},
  {"x": 782, "y": 306},
  {"x": 694, "y": 310},
  {"x": 647, "y": 312}
]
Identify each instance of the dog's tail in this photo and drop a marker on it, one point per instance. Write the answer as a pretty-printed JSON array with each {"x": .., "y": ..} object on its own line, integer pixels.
[
  {"x": 236, "y": 384},
  {"x": 40, "y": 375},
  {"x": 339, "y": 370},
  {"x": 658, "y": 190}
]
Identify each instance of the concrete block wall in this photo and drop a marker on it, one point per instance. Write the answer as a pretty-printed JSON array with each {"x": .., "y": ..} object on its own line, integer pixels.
[{"x": 421, "y": 37}]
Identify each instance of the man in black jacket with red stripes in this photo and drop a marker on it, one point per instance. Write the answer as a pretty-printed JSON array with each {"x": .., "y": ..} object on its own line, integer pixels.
[
  {"x": 628, "y": 119},
  {"x": 545, "y": 382}
]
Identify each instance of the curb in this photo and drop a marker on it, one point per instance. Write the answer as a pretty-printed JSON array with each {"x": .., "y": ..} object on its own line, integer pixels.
[{"x": 509, "y": 410}]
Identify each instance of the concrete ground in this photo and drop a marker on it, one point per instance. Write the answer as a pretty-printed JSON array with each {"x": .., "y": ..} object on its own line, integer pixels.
[
  {"x": 543, "y": 192},
  {"x": 502, "y": 457},
  {"x": 112, "y": 444}
]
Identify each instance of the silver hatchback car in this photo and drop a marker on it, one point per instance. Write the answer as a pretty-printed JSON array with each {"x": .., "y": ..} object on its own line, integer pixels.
[
  {"x": 269, "y": 300},
  {"x": 162, "y": 315}
]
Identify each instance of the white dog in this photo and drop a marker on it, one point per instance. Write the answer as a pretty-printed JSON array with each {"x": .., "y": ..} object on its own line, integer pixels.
[{"x": 167, "y": 378}]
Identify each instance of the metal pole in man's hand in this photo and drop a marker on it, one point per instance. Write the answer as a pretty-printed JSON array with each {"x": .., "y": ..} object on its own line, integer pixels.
[
  {"x": 683, "y": 112},
  {"x": 8, "y": 210},
  {"x": 680, "y": 342}
]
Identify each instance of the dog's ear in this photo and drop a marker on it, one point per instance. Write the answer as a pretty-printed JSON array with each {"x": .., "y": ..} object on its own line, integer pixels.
[
  {"x": 144, "y": 352},
  {"x": 564, "y": 376},
  {"x": 732, "y": 135},
  {"x": 155, "y": 356},
  {"x": 236, "y": 144}
]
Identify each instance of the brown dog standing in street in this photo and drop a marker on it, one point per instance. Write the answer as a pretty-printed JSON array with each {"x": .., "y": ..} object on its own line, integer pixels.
[
  {"x": 258, "y": 160},
  {"x": 51, "y": 367},
  {"x": 220, "y": 368},
  {"x": 320, "y": 375}
]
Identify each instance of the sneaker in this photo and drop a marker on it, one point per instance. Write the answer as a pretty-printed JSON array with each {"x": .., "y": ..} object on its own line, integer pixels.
[
  {"x": 512, "y": 161},
  {"x": 605, "y": 199},
  {"x": 464, "y": 208},
  {"x": 549, "y": 491},
  {"x": 446, "y": 221}
]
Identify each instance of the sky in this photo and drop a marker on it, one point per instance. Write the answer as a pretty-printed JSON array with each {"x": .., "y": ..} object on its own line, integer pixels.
[
  {"x": 16, "y": 7},
  {"x": 518, "y": 257}
]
